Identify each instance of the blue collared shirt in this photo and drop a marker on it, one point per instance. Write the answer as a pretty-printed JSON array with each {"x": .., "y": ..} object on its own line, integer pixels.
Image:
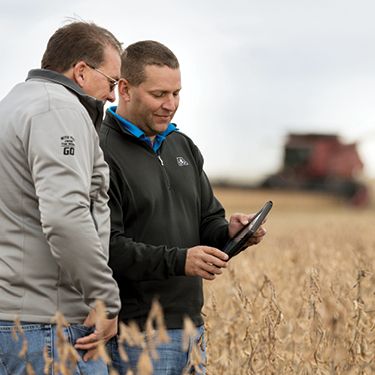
[{"x": 133, "y": 129}]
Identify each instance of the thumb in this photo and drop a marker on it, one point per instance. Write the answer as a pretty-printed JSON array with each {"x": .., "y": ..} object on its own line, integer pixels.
[{"x": 89, "y": 321}]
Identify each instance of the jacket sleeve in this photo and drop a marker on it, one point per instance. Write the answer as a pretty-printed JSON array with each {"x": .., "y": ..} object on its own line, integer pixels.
[
  {"x": 213, "y": 225},
  {"x": 129, "y": 259},
  {"x": 62, "y": 180}
]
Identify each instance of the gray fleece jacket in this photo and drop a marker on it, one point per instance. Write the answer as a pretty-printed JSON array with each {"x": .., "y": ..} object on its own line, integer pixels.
[{"x": 54, "y": 218}]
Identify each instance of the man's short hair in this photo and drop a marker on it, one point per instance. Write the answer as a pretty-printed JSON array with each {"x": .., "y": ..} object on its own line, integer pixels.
[
  {"x": 138, "y": 55},
  {"x": 78, "y": 41}
]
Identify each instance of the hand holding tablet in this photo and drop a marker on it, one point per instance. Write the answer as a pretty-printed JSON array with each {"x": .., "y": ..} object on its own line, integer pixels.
[{"x": 240, "y": 239}]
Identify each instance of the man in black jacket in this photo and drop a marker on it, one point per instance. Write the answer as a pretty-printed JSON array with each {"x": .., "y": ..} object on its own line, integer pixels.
[{"x": 167, "y": 225}]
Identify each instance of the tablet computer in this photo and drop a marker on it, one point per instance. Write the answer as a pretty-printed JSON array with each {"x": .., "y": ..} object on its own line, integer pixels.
[{"x": 240, "y": 239}]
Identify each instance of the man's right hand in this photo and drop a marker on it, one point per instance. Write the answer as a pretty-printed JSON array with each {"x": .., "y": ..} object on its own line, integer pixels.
[{"x": 205, "y": 261}]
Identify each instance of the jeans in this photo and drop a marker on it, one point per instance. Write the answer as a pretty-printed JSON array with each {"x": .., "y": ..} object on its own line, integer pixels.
[
  {"x": 173, "y": 360},
  {"x": 42, "y": 341}
]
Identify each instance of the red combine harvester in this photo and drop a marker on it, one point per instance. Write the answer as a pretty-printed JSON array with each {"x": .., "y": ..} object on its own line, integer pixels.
[{"x": 321, "y": 162}]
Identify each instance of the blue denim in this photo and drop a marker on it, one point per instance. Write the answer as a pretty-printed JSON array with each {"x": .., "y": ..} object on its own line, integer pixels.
[
  {"x": 40, "y": 336},
  {"x": 173, "y": 360}
]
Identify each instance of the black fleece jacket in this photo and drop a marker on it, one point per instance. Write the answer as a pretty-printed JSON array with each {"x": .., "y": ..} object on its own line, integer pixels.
[{"x": 161, "y": 205}]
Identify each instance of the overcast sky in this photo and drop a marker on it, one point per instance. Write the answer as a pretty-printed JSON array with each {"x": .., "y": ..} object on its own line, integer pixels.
[{"x": 252, "y": 70}]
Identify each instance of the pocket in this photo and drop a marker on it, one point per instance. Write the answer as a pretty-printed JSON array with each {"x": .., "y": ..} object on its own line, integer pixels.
[{"x": 76, "y": 331}]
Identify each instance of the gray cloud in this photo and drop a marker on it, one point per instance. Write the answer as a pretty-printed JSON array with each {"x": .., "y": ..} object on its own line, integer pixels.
[{"x": 251, "y": 70}]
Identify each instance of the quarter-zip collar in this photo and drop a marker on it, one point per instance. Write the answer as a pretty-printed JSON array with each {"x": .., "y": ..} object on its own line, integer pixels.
[
  {"x": 138, "y": 133},
  {"x": 93, "y": 106}
]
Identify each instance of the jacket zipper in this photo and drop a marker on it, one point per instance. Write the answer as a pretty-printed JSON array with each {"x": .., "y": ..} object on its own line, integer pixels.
[{"x": 164, "y": 171}]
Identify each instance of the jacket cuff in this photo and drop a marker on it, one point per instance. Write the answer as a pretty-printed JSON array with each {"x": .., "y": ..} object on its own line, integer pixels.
[{"x": 180, "y": 262}]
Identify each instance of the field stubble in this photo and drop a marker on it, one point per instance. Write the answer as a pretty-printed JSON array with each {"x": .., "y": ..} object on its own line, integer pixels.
[{"x": 303, "y": 300}]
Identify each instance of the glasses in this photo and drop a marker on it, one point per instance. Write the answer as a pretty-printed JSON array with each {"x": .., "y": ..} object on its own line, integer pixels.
[{"x": 112, "y": 82}]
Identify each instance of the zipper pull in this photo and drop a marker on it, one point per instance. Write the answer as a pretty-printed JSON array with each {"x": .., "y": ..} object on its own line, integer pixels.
[{"x": 161, "y": 160}]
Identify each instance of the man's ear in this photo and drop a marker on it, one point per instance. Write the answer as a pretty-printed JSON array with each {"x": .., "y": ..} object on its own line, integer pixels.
[
  {"x": 79, "y": 73},
  {"x": 124, "y": 89}
]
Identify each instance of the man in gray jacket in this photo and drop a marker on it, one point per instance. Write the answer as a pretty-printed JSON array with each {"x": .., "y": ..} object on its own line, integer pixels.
[{"x": 54, "y": 229}]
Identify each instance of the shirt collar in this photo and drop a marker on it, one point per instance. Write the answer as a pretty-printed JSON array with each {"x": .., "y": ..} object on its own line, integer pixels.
[{"x": 138, "y": 133}]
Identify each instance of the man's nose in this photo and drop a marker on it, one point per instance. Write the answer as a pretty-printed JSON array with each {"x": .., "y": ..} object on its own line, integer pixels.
[
  {"x": 170, "y": 103},
  {"x": 111, "y": 96}
]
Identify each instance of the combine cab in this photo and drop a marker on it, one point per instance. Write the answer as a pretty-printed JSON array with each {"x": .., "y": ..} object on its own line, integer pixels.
[{"x": 321, "y": 162}]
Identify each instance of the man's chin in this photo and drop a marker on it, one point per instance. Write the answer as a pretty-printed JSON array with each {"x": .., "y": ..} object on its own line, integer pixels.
[{"x": 161, "y": 127}]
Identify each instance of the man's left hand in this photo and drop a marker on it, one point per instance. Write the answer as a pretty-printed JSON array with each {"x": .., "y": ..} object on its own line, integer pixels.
[{"x": 238, "y": 221}]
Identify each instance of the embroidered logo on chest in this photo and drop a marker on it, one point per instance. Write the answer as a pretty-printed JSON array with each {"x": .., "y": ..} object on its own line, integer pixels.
[
  {"x": 181, "y": 162},
  {"x": 68, "y": 144}
]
